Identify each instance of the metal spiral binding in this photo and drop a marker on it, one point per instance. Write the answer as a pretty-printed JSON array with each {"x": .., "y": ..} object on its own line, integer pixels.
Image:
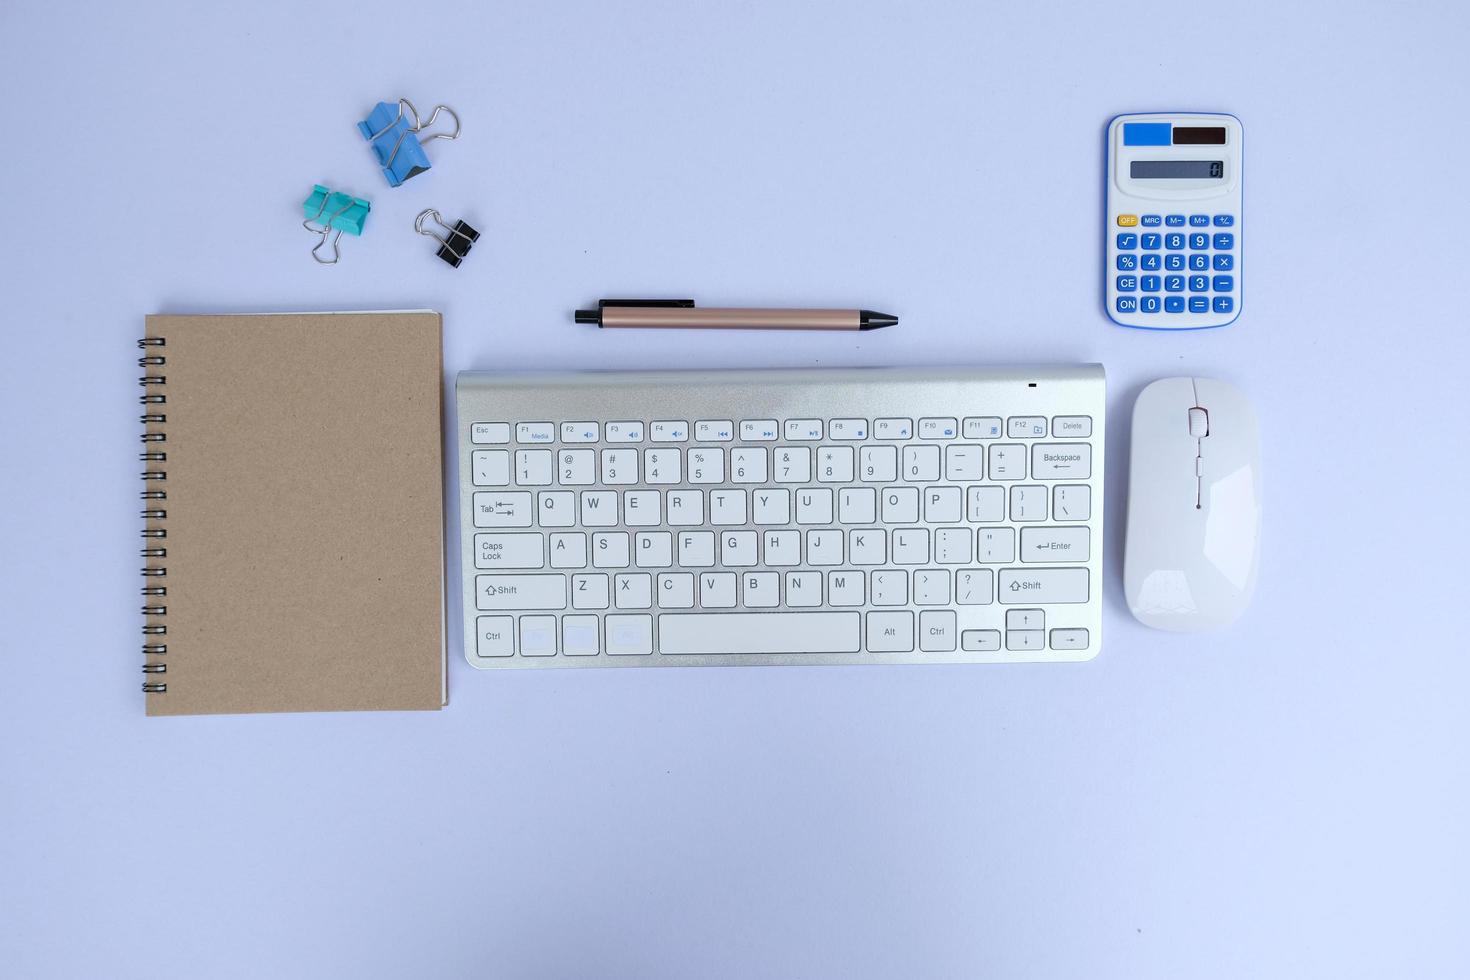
[{"x": 153, "y": 609}]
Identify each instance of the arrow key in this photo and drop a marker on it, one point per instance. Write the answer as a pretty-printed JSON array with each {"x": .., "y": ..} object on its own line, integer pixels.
[{"x": 1025, "y": 619}]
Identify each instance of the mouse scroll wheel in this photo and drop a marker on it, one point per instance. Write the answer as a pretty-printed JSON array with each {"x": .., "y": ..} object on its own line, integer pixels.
[{"x": 1199, "y": 423}]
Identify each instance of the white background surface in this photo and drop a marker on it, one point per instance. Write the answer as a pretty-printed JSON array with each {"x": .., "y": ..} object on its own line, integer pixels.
[{"x": 1285, "y": 798}]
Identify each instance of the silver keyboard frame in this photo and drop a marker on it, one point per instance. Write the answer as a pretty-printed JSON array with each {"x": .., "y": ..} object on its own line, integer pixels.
[{"x": 823, "y": 393}]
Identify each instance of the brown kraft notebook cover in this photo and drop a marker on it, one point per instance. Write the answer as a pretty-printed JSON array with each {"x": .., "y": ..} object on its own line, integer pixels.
[{"x": 301, "y": 558}]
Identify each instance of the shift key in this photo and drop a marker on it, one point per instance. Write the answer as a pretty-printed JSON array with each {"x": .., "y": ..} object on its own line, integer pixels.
[
  {"x": 520, "y": 591},
  {"x": 1042, "y": 585}
]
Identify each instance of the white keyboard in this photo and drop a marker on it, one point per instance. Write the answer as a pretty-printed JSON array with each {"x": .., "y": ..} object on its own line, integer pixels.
[{"x": 782, "y": 517}]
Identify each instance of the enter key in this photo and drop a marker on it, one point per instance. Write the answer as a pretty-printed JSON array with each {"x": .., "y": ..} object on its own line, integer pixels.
[{"x": 1055, "y": 544}]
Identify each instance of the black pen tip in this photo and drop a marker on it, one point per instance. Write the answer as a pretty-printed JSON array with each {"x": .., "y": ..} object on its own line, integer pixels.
[
  {"x": 875, "y": 321},
  {"x": 589, "y": 316}
]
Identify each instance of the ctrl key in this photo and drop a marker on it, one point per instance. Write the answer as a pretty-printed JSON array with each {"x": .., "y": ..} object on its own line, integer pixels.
[{"x": 494, "y": 636}]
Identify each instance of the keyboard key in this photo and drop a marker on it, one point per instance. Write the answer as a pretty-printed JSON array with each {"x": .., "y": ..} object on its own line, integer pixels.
[
  {"x": 760, "y": 590},
  {"x": 1126, "y": 284},
  {"x": 1150, "y": 241},
  {"x": 1199, "y": 263},
  {"x": 824, "y": 548},
  {"x": 1151, "y": 221},
  {"x": 985, "y": 505},
  {"x": 1069, "y": 639},
  {"x": 610, "y": 550},
  {"x": 509, "y": 551},
  {"x": 768, "y": 632},
  {"x": 707, "y": 465},
  {"x": 1072, "y": 503},
  {"x": 533, "y": 467},
  {"x": 576, "y": 467},
  {"x": 940, "y": 428},
  {"x": 803, "y": 589},
  {"x": 1061, "y": 461},
  {"x": 538, "y": 636},
  {"x": 492, "y": 433},
  {"x": 520, "y": 591},
  {"x": 1055, "y": 544},
  {"x": 974, "y": 587},
  {"x": 803, "y": 430},
  {"x": 630, "y": 635},
  {"x": 1199, "y": 221},
  {"x": 846, "y": 429},
  {"x": 943, "y": 505},
  {"x": 835, "y": 463},
  {"x": 890, "y": 632},
  {"x": 901, "y": 504},
  {"x": 920, "y": 464},
  {"x": 590, "y": 591},
  {"x": 581, "y": 636},
  {"x": 937, "y": 633},
  {"x": 1224, "y": 284},
  {"x": 759, "y": 430},
  {"x": 995, "y": 545},
  {"x": 1224, "y": 262},
  {"x": 980, "y": 641},
  {"x": 954, "y": 545},
  {"x": 669, "y": 430},
  {"x": 1224, "y": 241},
  {"x": 490, "y": 467},
  {"x": 510, "y": 508},
  {"x": 1149, "y": 304},
  {"x": 1127, "y": 261},
  {"x": 580, "y": 431},
  {"x": 1043, "y": 585},
  {"x": 1149, "y": 262},
  {"x": 890, "y": 588},
  {"x": 1008, "y": 461},
  {"x": 931, "y": 587},
  {"x": 717, "y": 590},
  {"x": 893, "y": 428},
  {"x": 1174, "y": 263},
  {"x": 1173, "y": 304},
  {"x": 633, "y": 590},
  {"x": 1174, "y": 241},
  {"x": 653, "y": 549},
  {"x": 1127, "y": 240},
  {"x": 1199, "y": 240},
  {"x": 964, "y": 464},
  {"x": 1149, "y": 284},
  {"x": 619, "y": 466},
  {"x": 1022, "y": 640},
  {"x": 1025, "y": 427},
  {"x": 624, "y": 431},
  {"x": 748, "y": 464},
  {"x": 696, "y": 549},
  {"x": 1071, "y": 426},
  {"x": 1224, "y": 304},
  {"x": 727, "y": 507},
  {"x": 1174, "y": 220},
  {"x": 535, "y": 432},
  {"x": 1224, "y": 220},
  {"x": 494, "y": 636},
  {"x": 569, "y": 550},
  {"x": 1028, "y": 503},
  {"x": 793, "y": 464},
  {"x": 716, "y": 430},
  {"x": 641, "y": 508},
  {"x": 878, "y": 464}
]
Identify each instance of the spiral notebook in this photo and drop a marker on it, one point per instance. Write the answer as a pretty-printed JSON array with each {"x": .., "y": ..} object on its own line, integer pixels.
[{"x": 293, "y": 510}]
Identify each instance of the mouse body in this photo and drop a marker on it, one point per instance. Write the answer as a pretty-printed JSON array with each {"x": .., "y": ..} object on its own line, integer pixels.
[{"x": 1194, "y": 505}]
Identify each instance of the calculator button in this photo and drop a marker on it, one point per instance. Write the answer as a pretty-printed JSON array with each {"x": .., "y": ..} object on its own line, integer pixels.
[
  {"x": 1199, "y": 240},
  {"x": 1174, "y": 241},
  {"x": 1127, "y": 304},
  {"x": 1173, "y": 262},
  {"x": 1224, "y": 284},
  {"x": 1224, "y": 241},
  {"x": 1224, "y": 220},
  {"x": 1199, "y": 263},
  {"x": 1151, "y": 241},
  {"x": 1127, "y": 220},
  {"x": 1173, "y": 284},
  {"x": 1199, "y": 304},
  {"x": 1127, "y": 261},
  {"x": 1173, "y": 304},
  {"x": 1224, "y": 304},
  {"x": 1150, "y": 262},
  {"x": 1127, "y": 240},
  {"x": 1199, "y": 284},
  {"x": 1174, "y": 220},
  {"x": 1151, "y": 220},
  {"x": 1224, "y": 262},
  {"x": 1199, "y": 221},
  {"x": 1149, "y": 284},
  {"x": 1149, "y": 304},
  {"x": 1127, "y": 284}
]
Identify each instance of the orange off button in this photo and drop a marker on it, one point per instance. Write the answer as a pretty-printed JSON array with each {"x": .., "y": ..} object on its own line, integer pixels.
[{"x": 1127, "y": 220}]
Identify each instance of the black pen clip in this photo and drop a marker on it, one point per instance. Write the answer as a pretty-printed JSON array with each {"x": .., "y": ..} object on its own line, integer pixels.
[{"x": 681, "y": 304}]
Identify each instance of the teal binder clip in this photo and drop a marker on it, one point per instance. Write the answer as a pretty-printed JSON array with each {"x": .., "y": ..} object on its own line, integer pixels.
[
  {"x": 327, "y": 211},
  {"x": 393, "y": 132}
]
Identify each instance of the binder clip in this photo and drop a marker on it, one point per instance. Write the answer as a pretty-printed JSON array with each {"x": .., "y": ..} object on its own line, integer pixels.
[
  {"x": 395, "y": 138},
  {"x": 327, "y": 211},
  {"x": 454, "y": 248}
]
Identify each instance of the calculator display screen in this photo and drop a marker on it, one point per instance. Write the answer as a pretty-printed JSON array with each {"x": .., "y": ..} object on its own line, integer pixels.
[{"x": 1186, "y": 169}]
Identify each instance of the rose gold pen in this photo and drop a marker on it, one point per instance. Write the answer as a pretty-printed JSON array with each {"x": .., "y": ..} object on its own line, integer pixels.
[{"x": 681, "y": 313}]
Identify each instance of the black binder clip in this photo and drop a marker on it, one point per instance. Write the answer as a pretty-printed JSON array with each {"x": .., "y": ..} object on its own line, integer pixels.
[{"x": 461, "y": 237}]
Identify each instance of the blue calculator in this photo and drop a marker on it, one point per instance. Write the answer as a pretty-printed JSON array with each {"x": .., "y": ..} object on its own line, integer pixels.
[{"x": 1173, "y": 220}]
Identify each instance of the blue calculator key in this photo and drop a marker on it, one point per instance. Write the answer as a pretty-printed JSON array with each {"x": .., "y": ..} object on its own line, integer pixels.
[
  {"x": 1174, "y": 241},
  {"x": 1224, "y": 284},
  {"x": 1173, "y": 284},
  {"x": 1149, "y": 284},
  {"x": 1150, "y": 220},
  {"x": 1224, "y": 220},
  {"x": 1224, "y": 241},
  {"x": 1173, "y": 304},
  {"x": 1127, "y": 240},
  {"x": 1150, "y": 262},
  {"x": 1224, "y": 304},
  {"x": 1151, "y": 240},
  {"x": 1199, "y": 240},
  {"x": 1173, "y": 262},
  {"x": 1127, "y": 284},
  {"x": 1224, "y": 262},
  {"x": 1127, "y": 262},
  {"x": 1149, "y": 304},
  {"x": 1199, "y": 304},
  {"x": 1197, "y": 263},
  {"x": 1127, "y": 304},
  {"x": 1199, "y": 221},
  {"x": 1174, "y": 220},
  {"x": 1199, "y": 284}
]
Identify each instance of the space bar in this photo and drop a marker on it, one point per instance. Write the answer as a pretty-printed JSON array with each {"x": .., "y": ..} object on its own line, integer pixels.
[{"x": 777, "y": 632}]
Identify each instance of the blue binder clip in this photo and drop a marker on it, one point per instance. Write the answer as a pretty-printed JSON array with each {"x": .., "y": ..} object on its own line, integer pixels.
[
  {"x": 327, "y": 211},
  {"x": 394, "y": 135}
]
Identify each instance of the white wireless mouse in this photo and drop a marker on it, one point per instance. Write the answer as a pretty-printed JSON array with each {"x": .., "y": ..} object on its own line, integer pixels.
[{"x": 1194, "y": 505}]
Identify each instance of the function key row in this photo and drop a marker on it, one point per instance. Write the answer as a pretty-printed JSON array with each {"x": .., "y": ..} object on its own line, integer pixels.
[
  {"x": 1176, "y": 220},
  {"x": 769, "y": 430}
]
